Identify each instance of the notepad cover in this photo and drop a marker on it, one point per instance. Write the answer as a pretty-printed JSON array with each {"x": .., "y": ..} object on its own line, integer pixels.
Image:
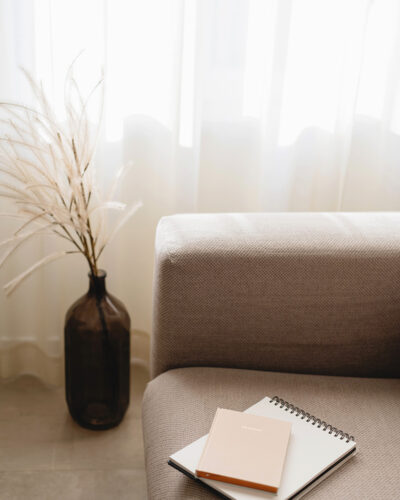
[{"x": 244, "y": 449}]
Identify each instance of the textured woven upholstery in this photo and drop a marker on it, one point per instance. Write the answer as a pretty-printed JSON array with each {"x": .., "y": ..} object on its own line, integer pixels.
[
  {"x": 239, "y": 299},
  {"x": 180, "y": 404},
  {"x": 295, "y": 292}
]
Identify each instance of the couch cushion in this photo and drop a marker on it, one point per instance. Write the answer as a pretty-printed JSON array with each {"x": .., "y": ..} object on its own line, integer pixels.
[
  {"x": 179, "y": 406},
  {"x": 294, "y": 292}
]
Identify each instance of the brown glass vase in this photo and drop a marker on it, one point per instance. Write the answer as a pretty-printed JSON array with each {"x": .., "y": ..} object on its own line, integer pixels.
[{"x": 97, "y": 357}]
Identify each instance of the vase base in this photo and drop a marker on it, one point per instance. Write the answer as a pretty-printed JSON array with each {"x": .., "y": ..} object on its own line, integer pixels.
[{"x": 96, "y": 416}]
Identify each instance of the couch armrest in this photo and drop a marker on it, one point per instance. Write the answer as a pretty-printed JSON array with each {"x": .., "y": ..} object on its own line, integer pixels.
[{"x": 295, "y": 292}]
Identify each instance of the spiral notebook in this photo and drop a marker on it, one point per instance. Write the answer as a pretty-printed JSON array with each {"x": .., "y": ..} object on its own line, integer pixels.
[{"x": 316, "y": 449}]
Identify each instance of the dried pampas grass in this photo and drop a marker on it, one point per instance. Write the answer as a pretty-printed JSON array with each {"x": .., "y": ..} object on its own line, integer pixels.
[{"x": 46, "y": 170}]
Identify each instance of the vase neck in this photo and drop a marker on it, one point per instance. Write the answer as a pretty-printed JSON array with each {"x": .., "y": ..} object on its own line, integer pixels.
[{"x": 97, "y": 284}]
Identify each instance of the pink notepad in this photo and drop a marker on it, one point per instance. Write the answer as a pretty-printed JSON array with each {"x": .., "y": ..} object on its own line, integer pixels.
[{"x": 244, "y": 449}]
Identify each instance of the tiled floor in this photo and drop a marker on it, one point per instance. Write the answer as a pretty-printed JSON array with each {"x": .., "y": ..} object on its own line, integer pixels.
[{"x": 44, "y": 455}]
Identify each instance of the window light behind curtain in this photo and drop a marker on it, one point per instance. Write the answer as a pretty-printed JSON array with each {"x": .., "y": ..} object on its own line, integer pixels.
[{"x": 221, "y": 105}]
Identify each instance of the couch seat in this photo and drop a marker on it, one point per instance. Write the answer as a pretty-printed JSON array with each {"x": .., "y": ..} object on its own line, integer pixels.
[{"x": 179, "y": 406}]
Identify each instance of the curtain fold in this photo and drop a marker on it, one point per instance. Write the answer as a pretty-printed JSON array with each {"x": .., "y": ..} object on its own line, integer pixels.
[{"x": 221, "y": 106}]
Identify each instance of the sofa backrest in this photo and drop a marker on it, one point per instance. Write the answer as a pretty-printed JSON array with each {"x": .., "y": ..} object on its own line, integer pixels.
[{"x": 292, "y": 292}]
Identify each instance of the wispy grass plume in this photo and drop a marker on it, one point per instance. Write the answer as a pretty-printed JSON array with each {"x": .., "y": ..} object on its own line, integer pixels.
[{"x": 46, "y": 170}]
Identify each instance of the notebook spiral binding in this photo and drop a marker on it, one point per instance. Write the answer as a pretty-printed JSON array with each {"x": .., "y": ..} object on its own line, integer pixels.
[{"x": 311, "y": 418}]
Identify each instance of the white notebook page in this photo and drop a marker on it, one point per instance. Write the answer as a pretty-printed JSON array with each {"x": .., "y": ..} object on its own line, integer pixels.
[{"x": 310, "y": 452}]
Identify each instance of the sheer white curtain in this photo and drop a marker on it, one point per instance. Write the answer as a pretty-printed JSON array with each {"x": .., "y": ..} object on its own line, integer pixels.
[{"x": 221, "y": 105}]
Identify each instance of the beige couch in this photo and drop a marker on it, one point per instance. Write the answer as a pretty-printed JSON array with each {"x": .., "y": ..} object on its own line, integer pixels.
[{"x": 303, "y": 305}]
